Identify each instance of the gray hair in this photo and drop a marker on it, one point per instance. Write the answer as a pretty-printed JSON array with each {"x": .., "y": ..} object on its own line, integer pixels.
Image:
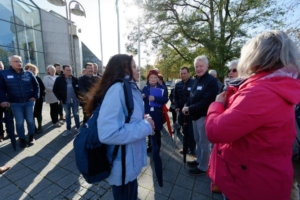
[
  {"x": 14, "y": 56},
  {"x": 51, "y": 66},
  {"x": 212, "y": 72},
  {"x": 268, "y": 51},
  {"x": 202, "y": 57},
  {"x": 233, "y": 63}
]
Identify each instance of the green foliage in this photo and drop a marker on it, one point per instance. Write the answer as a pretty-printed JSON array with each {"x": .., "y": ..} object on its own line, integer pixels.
[{"x": 180, "y": 30}]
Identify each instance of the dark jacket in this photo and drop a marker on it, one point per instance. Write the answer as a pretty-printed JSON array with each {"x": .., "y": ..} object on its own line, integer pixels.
[
  {"x": 182, "y": 92},
  {"x": 85, "y": 83},
  {"x": 203, "y": 93},
  {"x": 157, "y": 113},
  {"x": 18, "y": 87},
  {"x": 171, "y": 98},
  {"x": 60, "y": 88}
]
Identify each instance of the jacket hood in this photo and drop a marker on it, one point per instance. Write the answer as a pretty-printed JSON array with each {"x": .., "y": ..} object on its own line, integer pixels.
[{"x": 285, "y": 85}]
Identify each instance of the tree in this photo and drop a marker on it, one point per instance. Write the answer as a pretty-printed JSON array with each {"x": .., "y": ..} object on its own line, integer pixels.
[{"x": 217, "y": 28}]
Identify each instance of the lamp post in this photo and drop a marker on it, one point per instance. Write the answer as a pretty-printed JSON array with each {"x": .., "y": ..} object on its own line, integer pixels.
[
  {"x": 100, "y": 29},
  {"x": 76, "y": 11},
  {"x": 118, "y": 24}
]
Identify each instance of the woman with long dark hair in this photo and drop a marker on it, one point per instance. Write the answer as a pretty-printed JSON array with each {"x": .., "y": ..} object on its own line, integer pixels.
[{"x": 113, "y": 130}]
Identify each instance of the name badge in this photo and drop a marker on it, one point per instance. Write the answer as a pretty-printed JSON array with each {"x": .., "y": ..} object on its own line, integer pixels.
[
  {"x": 189, "y": 88},
  {"x": 152, "y": 109},
  {"x": 199, "y": 87},
  {"x": 10, "y": 76}
]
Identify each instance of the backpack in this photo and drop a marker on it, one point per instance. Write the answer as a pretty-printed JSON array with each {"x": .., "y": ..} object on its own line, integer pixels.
[{"x": 90, "y": 153}]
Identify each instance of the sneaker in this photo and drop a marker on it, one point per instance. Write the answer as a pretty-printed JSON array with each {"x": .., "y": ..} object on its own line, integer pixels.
[
  {"x": 31, "y": 140},
  {"x": 192, "y": 164},
  {"x": 61, "y": 122},
  {"x": 66, "y": 133},
  {"x": 196, "y": 172},
  {"x": 57, "y": 124},
  {"x": 22, "y": 143}
]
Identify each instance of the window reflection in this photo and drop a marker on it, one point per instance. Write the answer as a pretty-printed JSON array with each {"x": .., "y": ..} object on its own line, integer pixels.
[
  {"x": 29, "y": 39},
  {"x": 5, "y": 52},
  {"x": 6, "y": 11},
  {"x": 7, "y": 37},
  {"x": 26, "y": 15}
]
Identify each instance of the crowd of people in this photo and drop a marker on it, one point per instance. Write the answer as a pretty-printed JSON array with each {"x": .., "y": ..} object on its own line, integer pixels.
[{"x": 240, "y": 132}]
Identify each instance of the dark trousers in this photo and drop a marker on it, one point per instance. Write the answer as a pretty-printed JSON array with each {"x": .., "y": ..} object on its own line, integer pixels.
[
  {"x": 54, "y": 109},
  {"x": 130, "y": 191},
  {"x": 8, "y": 119},
  {"x": 60, "y": 109}
]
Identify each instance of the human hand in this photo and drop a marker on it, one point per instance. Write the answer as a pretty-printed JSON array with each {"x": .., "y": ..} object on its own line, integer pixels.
[
  {"x": 185, "y": 110},
  {"x": 148, "y": 118},
  {"x": 151, "y": 98},
  {"x": 32, "y": 99},
  {"x": 222, "y": 97},
  {"x": 143, "y": 95},
  {"x": 5, "y": 104}
]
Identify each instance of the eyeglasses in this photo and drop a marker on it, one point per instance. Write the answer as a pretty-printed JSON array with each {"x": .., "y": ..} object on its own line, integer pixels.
[{"x": 232, "y": 70}]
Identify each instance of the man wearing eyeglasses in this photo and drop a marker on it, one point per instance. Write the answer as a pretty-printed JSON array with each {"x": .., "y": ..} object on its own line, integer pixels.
[
  {"x": 19, "y": 90},
  {"x": 203, "y": 93},
  {"x": 66, "y": 90}
]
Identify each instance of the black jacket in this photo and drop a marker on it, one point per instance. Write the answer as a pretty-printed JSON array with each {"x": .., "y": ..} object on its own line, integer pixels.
[
  {"x": 182, "y": 92},
  {"x": 60, "y": 88},
  {"x": 203, "y": 93}
]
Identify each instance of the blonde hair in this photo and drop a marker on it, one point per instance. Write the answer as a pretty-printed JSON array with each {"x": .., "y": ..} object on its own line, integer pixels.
[
  {"x": 51, "y": 67},
  {"x": 268, "y": 51},
  {"x": 29, "y": 65}
]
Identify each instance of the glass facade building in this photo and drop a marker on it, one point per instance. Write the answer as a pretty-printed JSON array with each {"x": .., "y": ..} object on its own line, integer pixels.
[{"x": 21, "y": 33}]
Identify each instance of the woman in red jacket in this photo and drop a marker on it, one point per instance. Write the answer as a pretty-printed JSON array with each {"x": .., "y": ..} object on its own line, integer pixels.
[{"x": 253, "y": 125}]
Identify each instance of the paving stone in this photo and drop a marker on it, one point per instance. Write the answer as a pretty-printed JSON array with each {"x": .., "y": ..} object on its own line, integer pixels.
[
  {"x": 185, "y": 182},
  {"x": 38, "y": 165},
  {"x": 202, "y": 188},
  {"x": 142, "y": 193},
  {"x": 175, "y": 167},
  {"x": 19, "y": 174},
  {"x": 169, "y": 176},
  {"x": 165, "y": 190},
  {"x": 180, "y": 193},
  {"x": 155, "y": 196},
  {"x": 146, "y": 181},
  {"x": 68, "y": 180},
  {"x": 37, "y": 186},
  {"x": 49, "y": 193},
  {"x": 26, "y": 181},
  {"x": 4, "y": 181},
  {"x": 57, "y": 174},
  {"x": 10, "y": 190}
]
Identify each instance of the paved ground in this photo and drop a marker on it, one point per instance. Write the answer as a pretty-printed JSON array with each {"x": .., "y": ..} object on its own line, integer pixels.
[{"x": 47, "y": 170}]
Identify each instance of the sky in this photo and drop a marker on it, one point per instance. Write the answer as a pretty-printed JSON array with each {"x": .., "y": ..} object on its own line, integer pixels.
[{"x": 90, "y": 32}]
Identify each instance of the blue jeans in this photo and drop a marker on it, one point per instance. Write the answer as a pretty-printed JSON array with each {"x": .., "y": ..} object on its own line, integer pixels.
[
  {"x": 23, "y": 111},
  {"x": 203, "y": 144},
  {"x": 67, "y": 108},
  {"x": 130, "y": 191}
]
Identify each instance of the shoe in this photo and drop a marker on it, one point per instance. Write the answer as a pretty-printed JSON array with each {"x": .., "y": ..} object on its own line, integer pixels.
[
  {"x": 23, "y": 143},
  {"x": 149, "y": 149},
  {"x": 16, "y": 135},
  {"x": 40, "y": 130},
  {"x": 215, "y": 189},
  {"x": 1, "y": 138},
  {"x": 31, "y": 140},
  {"x": 4, "y": 169},
  {"x": 196, "y": 172},
  {"x": 66, "y": 133},
  {"x": 62, "y": 118},
  {"x": 61, "y": 122},
  {"x": 192, "y": 164},
  {"x": 57, "y": 124}
]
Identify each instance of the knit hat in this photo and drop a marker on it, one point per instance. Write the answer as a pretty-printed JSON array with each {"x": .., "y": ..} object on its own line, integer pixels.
[{"x": 154, "y": 72}]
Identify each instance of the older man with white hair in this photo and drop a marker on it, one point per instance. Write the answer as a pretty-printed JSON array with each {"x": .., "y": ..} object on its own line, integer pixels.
[
  {"x": 19, "y": 90},
  {"x": 202, "y": 94},
  {"x": 215, "y": 74}
]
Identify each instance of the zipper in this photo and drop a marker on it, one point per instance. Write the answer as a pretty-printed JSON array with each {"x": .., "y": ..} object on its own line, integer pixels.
[{"x": 21, "y": 88}]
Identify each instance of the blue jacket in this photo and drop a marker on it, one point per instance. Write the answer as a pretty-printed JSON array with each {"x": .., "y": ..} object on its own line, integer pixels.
[
  {"x": 156, "y": 114},
  {"x": 18, "y": 87},
  {"x": 113, "y": 130}
]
